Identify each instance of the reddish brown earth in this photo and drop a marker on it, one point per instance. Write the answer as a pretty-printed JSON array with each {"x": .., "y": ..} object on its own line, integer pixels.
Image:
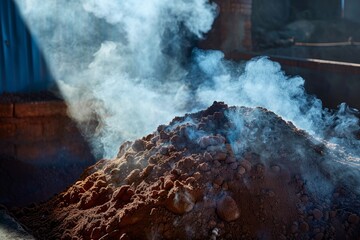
[{"x": 222, "y": 173}]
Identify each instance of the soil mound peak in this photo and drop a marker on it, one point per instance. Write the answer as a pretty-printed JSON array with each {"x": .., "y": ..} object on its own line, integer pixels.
[{"x": 222, "y": 173}]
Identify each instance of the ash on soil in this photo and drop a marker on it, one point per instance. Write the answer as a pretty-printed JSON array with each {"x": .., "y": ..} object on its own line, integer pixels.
[{"x": 222, "y": 173}]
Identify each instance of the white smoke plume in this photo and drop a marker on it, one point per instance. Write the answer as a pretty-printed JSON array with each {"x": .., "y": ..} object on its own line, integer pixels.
[
  {"x": 129, "y": 65},
  {"x": 121, "y": 62}
]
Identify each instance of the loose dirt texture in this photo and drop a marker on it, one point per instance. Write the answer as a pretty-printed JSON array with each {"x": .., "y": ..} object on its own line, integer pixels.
[{"x": 222, "y": 173}]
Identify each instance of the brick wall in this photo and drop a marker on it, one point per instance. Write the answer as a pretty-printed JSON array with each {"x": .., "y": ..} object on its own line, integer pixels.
[
  {"x": 35, "y": 131},
  {"x": 39, "y": 146}
]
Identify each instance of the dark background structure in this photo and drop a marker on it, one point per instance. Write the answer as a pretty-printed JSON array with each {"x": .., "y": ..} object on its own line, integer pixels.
[
  {"x": 318, "y": 40},
  {"x": 22, "y": 65}
]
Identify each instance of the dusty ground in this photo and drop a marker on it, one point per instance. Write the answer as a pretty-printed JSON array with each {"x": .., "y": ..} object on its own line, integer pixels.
[{"x": 222, "y": 173}]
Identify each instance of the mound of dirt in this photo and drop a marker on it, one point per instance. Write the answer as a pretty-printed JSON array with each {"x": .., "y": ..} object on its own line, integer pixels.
[{"x": 222, "y": 173}]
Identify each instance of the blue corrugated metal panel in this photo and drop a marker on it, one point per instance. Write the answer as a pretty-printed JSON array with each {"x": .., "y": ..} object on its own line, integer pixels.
[{"x": 22, "y": 67}]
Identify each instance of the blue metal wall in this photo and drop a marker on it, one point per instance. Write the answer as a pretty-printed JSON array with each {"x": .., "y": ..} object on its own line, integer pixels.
[{"x": 22, "y": 66}]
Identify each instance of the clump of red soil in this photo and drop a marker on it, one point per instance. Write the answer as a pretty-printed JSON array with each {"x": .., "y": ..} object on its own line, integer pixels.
[{"x": 222, "y": 173}]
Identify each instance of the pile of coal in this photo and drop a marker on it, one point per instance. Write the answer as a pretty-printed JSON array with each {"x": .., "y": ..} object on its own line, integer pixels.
[{"x": 222, "y": 173}]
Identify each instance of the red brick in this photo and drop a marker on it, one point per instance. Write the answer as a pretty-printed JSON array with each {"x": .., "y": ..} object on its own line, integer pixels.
[
  {"x": 53, "y": 128},
  {"x": 37, "y": 152},
  {"x": 60, "y": 128},
  {"x": 40, "y": 109},
  {"x": 7, "y": 130},
  {"x": 72, "y": 130},
  {"x": 78, "y": 150},
  {"x": 6, "y": 110},
  {"x": 29, "y": 131}
]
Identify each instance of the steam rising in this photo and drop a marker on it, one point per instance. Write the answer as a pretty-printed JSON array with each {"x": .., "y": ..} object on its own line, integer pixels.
[{"x": 130, "y": 65}]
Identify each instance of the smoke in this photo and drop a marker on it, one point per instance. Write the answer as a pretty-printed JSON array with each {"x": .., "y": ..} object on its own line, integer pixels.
[
  {"x": 127, "y": 66},
  {"x": 121, "y": 64}
]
